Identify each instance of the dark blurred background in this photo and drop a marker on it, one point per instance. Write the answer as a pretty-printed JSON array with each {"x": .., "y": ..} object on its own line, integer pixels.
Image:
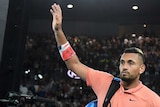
[{"x": 98, "y": 30}]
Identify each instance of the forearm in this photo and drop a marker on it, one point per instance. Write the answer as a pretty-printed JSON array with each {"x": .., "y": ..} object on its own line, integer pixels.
[
  {"x": 72, "y": 62},
  {"x": 65, "y": 49},
  {"x": 60, "y": 37}
]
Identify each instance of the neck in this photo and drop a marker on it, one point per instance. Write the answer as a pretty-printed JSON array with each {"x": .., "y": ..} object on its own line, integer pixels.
[{"x": 131, "y": 84}]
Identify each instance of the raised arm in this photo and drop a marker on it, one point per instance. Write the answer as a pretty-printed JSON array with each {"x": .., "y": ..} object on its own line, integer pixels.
[{"x": 72, "y": 61}]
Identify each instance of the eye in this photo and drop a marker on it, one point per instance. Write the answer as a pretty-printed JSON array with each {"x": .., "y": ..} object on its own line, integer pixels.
[
  {"x": 130, "y": 62},
  {"x": 121, "y": 62}
]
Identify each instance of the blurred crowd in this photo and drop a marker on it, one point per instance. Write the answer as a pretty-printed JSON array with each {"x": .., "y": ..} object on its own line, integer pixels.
[{"x": 45, "y": 74}]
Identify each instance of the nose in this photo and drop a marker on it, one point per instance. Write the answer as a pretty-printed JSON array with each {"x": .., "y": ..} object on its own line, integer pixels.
[{"x": 124, "y": 67}]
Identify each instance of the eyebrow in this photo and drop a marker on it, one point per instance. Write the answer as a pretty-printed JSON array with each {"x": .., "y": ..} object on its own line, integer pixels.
[{"x": 130, "y": 60}]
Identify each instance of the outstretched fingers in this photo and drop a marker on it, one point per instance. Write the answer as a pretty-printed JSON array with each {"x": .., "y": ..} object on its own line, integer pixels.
[
  {"x": 58, "y": 8},
  {"x": 55, "y": 8},
  {"x": 52, "y": 10}
]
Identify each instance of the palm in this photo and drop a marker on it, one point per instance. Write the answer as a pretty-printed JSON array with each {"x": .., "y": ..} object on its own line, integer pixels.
[{"x": 57, "y": 17}]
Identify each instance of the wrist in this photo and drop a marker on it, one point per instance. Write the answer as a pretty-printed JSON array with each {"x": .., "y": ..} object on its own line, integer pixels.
[
  {"x": 57, "y": 27},
  {"x": 66, "y": 51}
]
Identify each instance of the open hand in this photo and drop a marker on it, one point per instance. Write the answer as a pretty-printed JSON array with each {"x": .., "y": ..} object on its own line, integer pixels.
[{"x": 57, "y": 17}]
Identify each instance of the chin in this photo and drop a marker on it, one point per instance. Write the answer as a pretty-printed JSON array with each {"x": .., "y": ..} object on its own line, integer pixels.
[{"x": 126, "y": 79}]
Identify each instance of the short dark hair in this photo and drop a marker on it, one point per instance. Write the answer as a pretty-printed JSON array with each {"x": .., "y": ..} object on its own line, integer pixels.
[{"x": 135, "y": 50}]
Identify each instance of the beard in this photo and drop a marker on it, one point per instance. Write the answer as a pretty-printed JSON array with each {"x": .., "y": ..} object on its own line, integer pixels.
[{"x": 127, "y": 77}]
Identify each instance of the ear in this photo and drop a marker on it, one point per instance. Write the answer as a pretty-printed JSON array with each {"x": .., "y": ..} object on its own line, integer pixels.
[{"x": 142, "y": 68}]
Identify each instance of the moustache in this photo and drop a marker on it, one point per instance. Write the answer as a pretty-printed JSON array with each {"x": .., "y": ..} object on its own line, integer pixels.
[{"x": 125, "y": 71}]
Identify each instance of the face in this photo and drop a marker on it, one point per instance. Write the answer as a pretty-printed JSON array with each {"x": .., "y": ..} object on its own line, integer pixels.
[{"x": 130, "y": 67}]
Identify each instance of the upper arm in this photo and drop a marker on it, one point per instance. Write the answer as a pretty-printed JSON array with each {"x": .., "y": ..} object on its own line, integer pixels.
[{"x": 76, "y": 66}]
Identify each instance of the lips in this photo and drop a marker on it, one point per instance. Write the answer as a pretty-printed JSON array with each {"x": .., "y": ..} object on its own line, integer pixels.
[{"x": 124, "y": 72}]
